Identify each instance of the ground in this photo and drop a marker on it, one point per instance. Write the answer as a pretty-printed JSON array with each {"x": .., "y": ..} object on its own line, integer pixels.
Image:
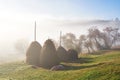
[{"x": 104, "y": 65}]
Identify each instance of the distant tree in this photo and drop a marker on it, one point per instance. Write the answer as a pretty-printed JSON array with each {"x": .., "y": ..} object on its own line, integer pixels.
[
  {"x": 107, "y": 37},
  {"x": 94, "y": 35},
  {"x": 78, "y": 46},
  {"x": 110, "y": 36},
  {"x": 82, "y": 39},
  {"x": 68, "y": 40},
  {"x": 115, "y": 36},
  {"x": 91, "y": 45},
  {"x": 87, "y": 44}
]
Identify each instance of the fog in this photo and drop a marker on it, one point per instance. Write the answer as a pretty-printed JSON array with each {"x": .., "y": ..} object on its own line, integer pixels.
[{"x": 16, "y": 33}]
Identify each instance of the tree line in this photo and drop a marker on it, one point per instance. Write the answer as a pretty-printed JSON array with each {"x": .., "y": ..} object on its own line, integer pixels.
[{"x": 95, "y": 40}]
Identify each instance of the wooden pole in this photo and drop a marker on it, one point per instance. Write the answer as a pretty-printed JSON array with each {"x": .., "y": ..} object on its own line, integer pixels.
[
  {"x": 60, "y": 37},
  {"x": 35, "y": 32}
]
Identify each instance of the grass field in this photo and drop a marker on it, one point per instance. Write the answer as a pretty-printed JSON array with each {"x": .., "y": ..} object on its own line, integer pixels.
[{"x": 104, "y": 66}]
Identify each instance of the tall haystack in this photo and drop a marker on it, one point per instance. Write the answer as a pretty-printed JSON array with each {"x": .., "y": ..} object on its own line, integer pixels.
[
  {"x": 73, "y": 54},
  {"x": 48, "y": 56},
  {"x": 62, "y": 54},
  {"x": 33, "y": 53}
]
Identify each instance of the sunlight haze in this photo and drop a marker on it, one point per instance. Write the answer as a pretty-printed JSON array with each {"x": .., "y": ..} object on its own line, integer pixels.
[{"x": 17, "y": 20}]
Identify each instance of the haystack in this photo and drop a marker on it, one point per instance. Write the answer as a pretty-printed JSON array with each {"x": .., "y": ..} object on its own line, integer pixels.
[
  {"x": 73, "y": 54},
  {"x": 33, "y": 53},
  {"x": 48, "y": 56},
  {"x": 62, "y": 54}
]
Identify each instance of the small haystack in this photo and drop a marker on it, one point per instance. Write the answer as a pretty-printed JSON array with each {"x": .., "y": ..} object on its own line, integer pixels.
[
  {"x": 33, "y": 53},
  {"x": 73, "y": 54},
  {"x": 62, "y": 54},
  {"x": 48, "y": 56}
]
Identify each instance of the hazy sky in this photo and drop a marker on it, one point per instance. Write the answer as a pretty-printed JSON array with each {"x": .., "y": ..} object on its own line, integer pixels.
[
  {"x": 83, "y": 9},
  {"x": 17, "y": 18},
  {"x": 19, "y": 15}
]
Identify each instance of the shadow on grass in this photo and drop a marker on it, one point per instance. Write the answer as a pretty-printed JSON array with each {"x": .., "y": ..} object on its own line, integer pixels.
[
  {"x": 81, "y": 67},
  {"x": 102, "y": 52},
  {"x": 84, "y": 60},
  {"x": 81, "y": 60}
]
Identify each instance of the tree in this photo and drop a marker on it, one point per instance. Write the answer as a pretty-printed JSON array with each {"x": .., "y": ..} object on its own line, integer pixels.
[
  {"x": 87, "y": 44},
  {"x": 110, "y": 36},
  {"x": 82, "y": 38},
  {"x": 68, "y": 40},
  {"x": 94, "y": 35}
]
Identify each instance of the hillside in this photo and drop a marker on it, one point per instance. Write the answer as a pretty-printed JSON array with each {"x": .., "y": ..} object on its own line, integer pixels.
[{"x": 104, "y": 66}]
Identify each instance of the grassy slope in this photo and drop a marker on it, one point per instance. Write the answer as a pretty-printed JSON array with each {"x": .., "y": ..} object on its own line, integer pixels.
[{"x": 88, "y": 67}]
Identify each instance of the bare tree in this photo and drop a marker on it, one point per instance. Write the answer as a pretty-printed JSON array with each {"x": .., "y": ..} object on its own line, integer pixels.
[
  {"x": 94, "y": 36},
  {"x": 110, "y": 36},
  {"x": 87, "y": 44},
  {"x": 68, "y": 40},
  {"x": 82, "y": 38}
]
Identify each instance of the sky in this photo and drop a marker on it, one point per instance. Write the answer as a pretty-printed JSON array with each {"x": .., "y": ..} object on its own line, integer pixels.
[
  {"x": 83, "y": 9},
  {"x": 17, "y": 18}
]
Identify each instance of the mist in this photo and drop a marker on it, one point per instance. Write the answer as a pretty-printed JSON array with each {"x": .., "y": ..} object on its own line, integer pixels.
[{"x": 18, "y": 33}]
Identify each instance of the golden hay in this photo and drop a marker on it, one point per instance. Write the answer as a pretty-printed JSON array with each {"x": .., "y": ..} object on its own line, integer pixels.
[
  {"x": 73, "y": 54},
  {"x": 33, "y": 53},
  {"x": 62, "y": 54},
  {"x": 48, "y": 56}
]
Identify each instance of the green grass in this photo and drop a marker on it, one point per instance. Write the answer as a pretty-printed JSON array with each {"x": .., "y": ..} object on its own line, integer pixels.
[{"x": 105, "y": 66}]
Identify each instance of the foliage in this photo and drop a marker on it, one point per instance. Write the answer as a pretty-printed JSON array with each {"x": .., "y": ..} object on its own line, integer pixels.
[{"x": 95, "y": 40}]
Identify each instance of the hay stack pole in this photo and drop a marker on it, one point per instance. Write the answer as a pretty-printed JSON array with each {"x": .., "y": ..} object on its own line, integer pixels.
[
  {"x": 60, "y": 37},
  {"x": 35, "y": 32},
  {"x": 33, "y": 52},
  {"x": 61, "y": 52}
]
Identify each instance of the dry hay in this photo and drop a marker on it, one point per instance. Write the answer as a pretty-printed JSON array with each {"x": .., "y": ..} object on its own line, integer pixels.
[
  {"x": 62, "y": 54},
  {"x": 48, "y": 57},
  {"x": 73, "y": 54},
  {"x": 33, "y": 53}
]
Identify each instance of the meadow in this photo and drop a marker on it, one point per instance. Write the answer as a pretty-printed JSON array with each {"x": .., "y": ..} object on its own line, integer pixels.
[{"x": 102, "y": 65}]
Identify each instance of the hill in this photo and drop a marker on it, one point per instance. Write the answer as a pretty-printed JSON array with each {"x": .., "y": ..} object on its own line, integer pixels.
[{"x": 99, "y": 66}]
